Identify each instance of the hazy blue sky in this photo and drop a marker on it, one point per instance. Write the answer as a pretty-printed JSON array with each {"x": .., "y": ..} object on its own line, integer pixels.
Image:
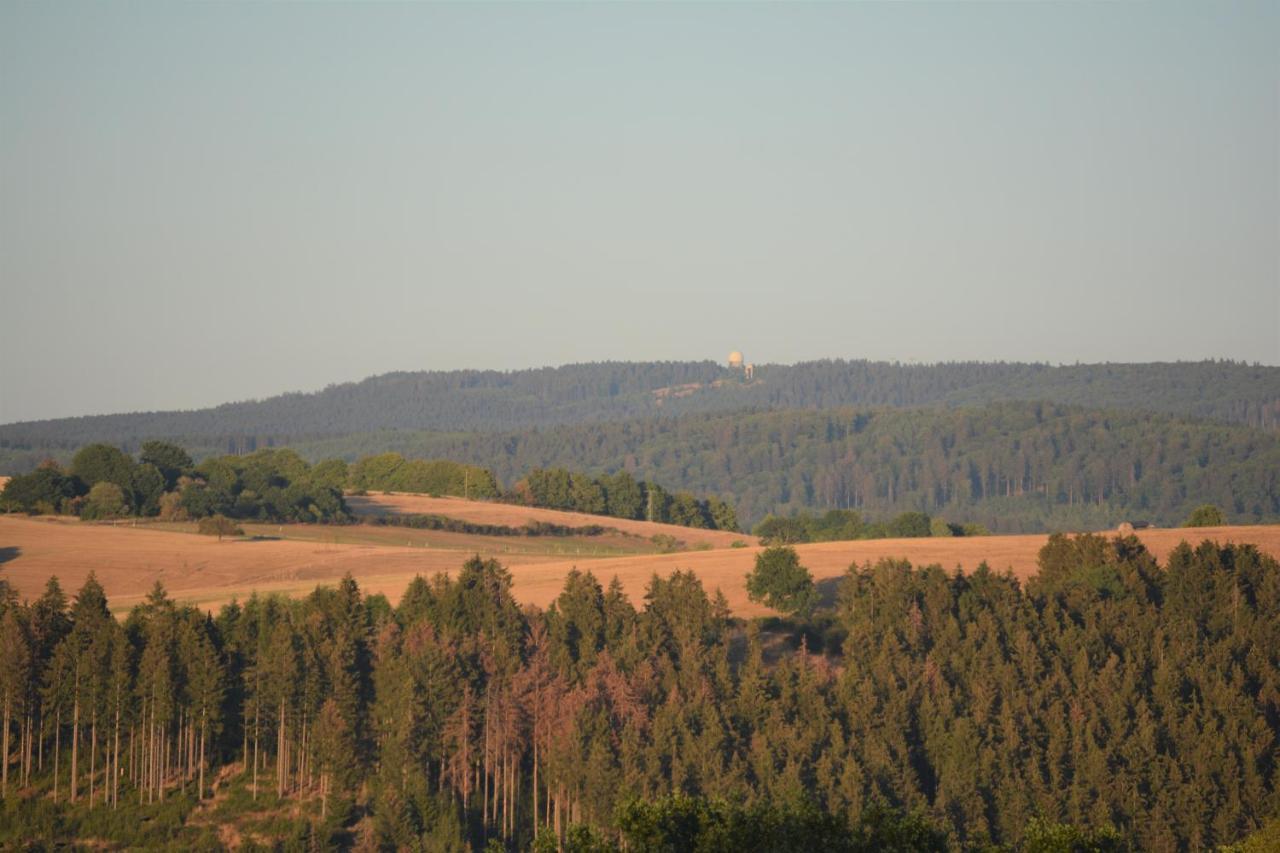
[{"x": 202, "y": 202}]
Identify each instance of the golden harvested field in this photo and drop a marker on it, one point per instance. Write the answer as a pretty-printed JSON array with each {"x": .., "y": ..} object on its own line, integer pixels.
[
  {"x": 828, "y": 561},
  {"x": 130, "y": 559},
  {"x": 481, "y": 512}
]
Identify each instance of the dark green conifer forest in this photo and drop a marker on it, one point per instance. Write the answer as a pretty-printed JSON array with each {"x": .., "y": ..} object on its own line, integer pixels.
[{"x": 1108, "y": 703}]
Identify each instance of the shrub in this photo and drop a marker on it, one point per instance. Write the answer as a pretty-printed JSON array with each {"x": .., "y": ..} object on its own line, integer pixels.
[
  {"x": 105, "y": 500},
  {"x": 219, "y": 525},
  {"x": 1206, "y": 515},
  {"x": 171, "y": 508}
]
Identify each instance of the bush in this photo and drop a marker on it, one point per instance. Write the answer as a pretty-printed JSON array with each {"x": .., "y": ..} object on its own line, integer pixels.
[
  {"x": 171, "y": 508},
  {"x": 1206, "y": 515},
  {"x": 909, "y": 525},
  {"x": 106, "y": 500},
  {"x": 218, "y": 525},
  {"x": 667, "y": 544}
]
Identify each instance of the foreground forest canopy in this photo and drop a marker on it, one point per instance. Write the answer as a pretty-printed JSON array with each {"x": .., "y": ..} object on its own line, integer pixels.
[{"x": 1110, "y": 703}]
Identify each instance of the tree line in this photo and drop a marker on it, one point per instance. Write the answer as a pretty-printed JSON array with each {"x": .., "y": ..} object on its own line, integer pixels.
[
  {"x": 104, "y": 482},
  {"x": 837, "y": 525},
  {"x": 1108, "y": 700},
  {"x": 513, "y": 401},
  {"x": 278, "y": 485},
  {"x": 622, "y": 496}
]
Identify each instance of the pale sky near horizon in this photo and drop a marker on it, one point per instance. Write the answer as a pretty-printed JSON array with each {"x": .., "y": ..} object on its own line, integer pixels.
[{"x": 205, "y": 202}]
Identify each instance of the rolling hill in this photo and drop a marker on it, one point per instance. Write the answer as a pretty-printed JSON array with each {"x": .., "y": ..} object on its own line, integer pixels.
[
  {"x": 130, "y": 559},
  {"x": 495, "y": 401}
]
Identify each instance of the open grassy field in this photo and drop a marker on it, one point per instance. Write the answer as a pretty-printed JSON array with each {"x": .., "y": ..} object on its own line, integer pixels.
[{"x": 293, "y": 559}]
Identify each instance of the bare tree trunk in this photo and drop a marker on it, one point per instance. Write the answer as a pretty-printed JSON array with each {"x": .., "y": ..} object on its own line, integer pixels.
[
  {"x": 255, "y": 749},
  {"x": 559, "y": 796},
  {"x": 57, "y": 749},
  {"x": 484, "y": 790},
  {"x": 75, "y": 742},
  {"x": 204, "y": 725},
  {"x": 302, "y": 760},
  {"x": 115, "y": 776},
  {"x": 280, "y": 754},
  {"x": 4, "y": 786},
  {"x": 93, "y": 754},
  {"x": 149, "y": 762},
  {"x": 26, "y": 774}
]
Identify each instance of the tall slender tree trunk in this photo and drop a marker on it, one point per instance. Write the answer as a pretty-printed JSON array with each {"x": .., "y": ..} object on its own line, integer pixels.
[
  {"x": 280, "y": 754},
  {"x": 557, "y": 810},
  {"x": 75, "y": 741},
  {"x": 255, "y": 748},
  {"x": 115, "y": 775},
  {"x": 4, "y": 786},
  {"x": 204, "y": 724},
  {"x": 26, "y": 773},
  {"x": 484, "y": 788},
  {"x": 93, "y": 753},
  {"x": 57, "y": 749}
]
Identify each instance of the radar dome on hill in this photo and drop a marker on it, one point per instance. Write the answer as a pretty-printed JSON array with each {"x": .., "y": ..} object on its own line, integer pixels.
[{"x": 735, "y": 360}]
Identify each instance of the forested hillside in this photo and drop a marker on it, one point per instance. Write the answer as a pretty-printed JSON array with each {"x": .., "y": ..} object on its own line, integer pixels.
[
  {"x": 492, "y": 401},
  {"x": 1138, "y": 703},
  {"x": 1013, "y": 467},
  {"x": 1009, "y": 467}
]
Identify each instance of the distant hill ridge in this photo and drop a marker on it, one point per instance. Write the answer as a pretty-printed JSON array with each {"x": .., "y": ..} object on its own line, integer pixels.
[{"x": 498, "y": 401}]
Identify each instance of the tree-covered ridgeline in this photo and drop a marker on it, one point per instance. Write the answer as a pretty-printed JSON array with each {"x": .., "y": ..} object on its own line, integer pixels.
[
  {"x": 1014, "y": 467},
  {"x": 508, "y": 401},
  {"x": 1008, "y": 468},
  {"x": 1138, "y": 703}
]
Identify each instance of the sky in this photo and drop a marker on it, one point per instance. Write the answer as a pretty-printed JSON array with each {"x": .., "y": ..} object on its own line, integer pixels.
[{"x": 205, "y": 202}]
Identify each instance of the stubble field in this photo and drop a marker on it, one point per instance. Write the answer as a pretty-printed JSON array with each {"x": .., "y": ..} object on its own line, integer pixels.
[{"x": 293, "y": 559}]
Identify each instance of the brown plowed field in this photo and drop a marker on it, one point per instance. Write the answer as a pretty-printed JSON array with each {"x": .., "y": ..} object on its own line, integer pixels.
[
  {"x": 481, "y": 512},
  {"x": 129, "y": 560}
]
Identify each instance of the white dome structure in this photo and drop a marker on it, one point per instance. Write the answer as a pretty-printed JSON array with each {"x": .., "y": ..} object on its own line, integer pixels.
[{"x": 735, "y": 360}]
